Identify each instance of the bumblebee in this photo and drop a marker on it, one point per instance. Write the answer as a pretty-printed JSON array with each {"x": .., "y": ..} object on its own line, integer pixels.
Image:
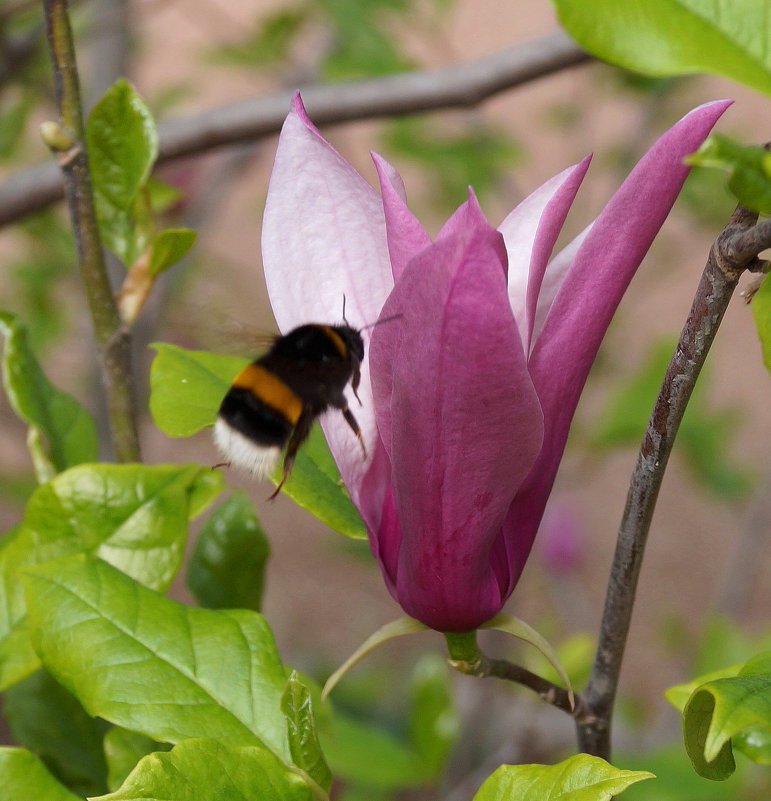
[{"x": 273, "y": 401}]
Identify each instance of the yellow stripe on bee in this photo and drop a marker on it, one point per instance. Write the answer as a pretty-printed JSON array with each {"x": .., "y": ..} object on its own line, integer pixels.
[
  {"x": 336, "y": 339},
  {"x": 271, "y": 390}
]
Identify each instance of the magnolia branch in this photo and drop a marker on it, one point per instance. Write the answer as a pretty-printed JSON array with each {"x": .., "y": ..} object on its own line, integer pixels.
[
  {"x": 65, "y": 138},
  {"x": 735, "y": 250},
  {"x": 456, "y": 86}
]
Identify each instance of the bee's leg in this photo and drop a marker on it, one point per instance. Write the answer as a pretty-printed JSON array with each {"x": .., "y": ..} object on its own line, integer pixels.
[
  {"x": 301, "y": 431},
  {"x": 351, "y": 420}
]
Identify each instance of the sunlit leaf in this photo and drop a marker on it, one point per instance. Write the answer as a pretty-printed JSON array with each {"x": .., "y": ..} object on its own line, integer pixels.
[
  {"x": 134, "y": 516},
  {"x": 675, "y": 37},
  {"x": 721, "y": 710},
  {"x": 153, "y": 665},
  {"x": 748, "y": 166},
  {"x": 206, "y": 769},
  {"x": 579, "y": 778}
]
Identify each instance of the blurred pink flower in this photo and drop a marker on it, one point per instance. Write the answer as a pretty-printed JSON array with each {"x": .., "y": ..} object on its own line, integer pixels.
[
  {"x": 468, "y": 395},
  {"x": 561, "y": 538}
]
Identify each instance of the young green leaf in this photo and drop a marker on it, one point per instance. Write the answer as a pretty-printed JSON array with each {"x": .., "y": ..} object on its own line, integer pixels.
[
  {"x": 761, "y": 312},
  {"x": 187, "y": 387},
  {"x": 304, "y": 745},
  {"x": 749, "y": 168},
  {"x": 315, "y": 485},
  {"x": 154, "y": 665},
  {"x": 735, "y": 709},
  {"x": 24, "y": 777},
  {"x": 675, "y": 37},
  {"x": 134, "y": 516},
  {"x": 227, "y": 567},
  {"x": 168, "y": 247},
  {"x": 61, "y": 432},
  {"x": 205, "y": 769},
  {"x": 122, "y": 146},
  {"x": 433, "y": 723},
  {"x": 122, "y": 750},
  {"x": 45, "y": 718},
  {"x": 579, "y": 778}
]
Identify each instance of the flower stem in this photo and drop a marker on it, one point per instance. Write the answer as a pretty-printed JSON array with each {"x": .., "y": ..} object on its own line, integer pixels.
[
  {"x": 728, "y": 258},
  {"x": 467, "y": 658},
  {"x": 68, "y": 144}
]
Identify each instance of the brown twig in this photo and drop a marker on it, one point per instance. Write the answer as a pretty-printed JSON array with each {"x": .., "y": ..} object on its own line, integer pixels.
[
  {"x": 457, "y": 86},
  {"x": 66, "y": 139},
  {"x": 734, "y": 251},
  {"x": 467, "y": 658}
]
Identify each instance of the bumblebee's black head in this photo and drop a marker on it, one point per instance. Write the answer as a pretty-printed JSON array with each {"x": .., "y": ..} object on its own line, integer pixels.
[{"x": 353, "y": 341}]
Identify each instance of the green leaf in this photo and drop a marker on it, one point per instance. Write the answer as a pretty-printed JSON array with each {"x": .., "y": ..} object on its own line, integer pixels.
[
  {"x": 205, "y": 769},
  {"x": 61, "y": 432},
  {"x": 45, "y": 718},
  {"x": 168, "y": 247},
  {"x": 187, "y": 387},
  {"x": 364, "y": 755},
  {"x": 227, "y": 567},
  {"x": 433, "y": 723},
  {"x": 304, "y": 745},
  {"x": 315, "y": 485},
  {"x": 24, "y": 777},
  {"x": 269, "y": 42},
  {"x": 675, "y": 37},
  {"x": 122, "y": 750},
  {"x": 761, "y": 312},
  {"x": 154, "y": 665},
  {"x": 749, "y": 167},
  {"x": 579, "y": 778},
  {"x": 134, "y": 516},
  {"x": 122, "y": 146},
  {"x": 725, "y": 708}
]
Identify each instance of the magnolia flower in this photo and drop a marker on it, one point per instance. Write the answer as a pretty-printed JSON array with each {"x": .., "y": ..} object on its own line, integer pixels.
[{"x": 466, "y": 397}]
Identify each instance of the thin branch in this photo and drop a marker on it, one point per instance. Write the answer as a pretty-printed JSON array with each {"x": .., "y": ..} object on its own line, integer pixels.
[
  {"x": 457, "y": 86},
  {"x": 467, "y": 658},
  {"x": 728, "y": 258},
  {"x": 66, "y": 139}
]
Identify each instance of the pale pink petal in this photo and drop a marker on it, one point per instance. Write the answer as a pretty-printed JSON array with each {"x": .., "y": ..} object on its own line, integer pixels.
[
  {"x": 406, "y": 236},
  {"x": 323, "y": 239},
  {"x": 530, "y": 231}
]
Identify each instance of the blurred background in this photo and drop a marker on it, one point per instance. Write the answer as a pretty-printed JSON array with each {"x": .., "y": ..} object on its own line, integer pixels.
[{"x": 705, "y": 589}]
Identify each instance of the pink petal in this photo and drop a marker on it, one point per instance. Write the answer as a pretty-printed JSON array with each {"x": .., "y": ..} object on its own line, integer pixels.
[
  {"x": 324, "y": 239},
  {"x": 587, "y": 298},
  {"x": 530, "y": 231},
  {"x": 461, "y": 422},
  {"x": 406, "y": 236}
]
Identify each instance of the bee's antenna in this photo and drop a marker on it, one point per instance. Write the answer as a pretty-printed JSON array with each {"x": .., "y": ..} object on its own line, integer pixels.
[
  {"x": 380, "y": 322},
  {"x": 345, "y": 320}
]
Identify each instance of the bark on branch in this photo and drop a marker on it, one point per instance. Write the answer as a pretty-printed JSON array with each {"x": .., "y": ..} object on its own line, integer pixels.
[{"x": 457, "y": 86}]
